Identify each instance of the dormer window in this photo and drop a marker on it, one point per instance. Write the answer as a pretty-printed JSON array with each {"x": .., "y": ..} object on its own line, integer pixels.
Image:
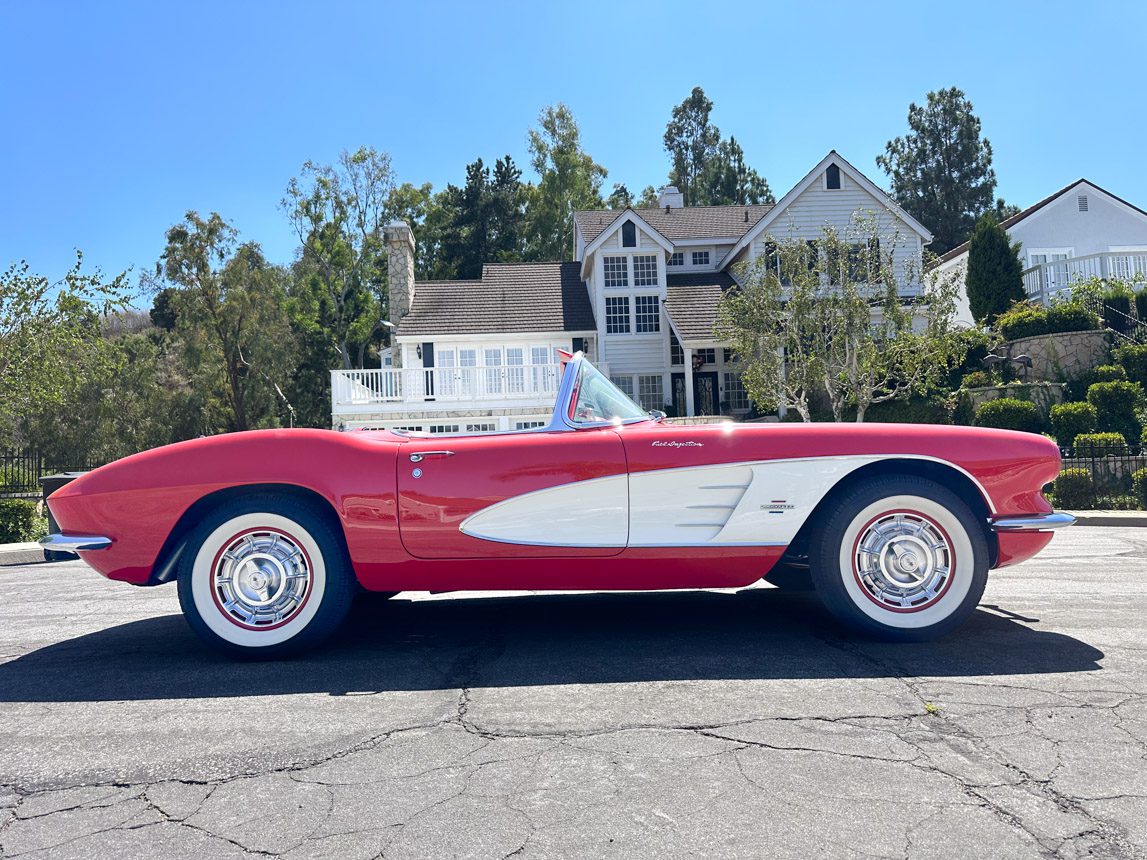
[
  {"x": 700, "y": 258},
  {"x": 832, "y": 178},
  {"x": 629, "y": 235},
  {"x": 677, "y": 258}
]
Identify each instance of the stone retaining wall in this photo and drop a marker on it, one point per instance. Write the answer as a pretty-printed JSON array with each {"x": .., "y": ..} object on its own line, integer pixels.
[
  {"x": 1066, "y": 355},
  {"x": 1043, "y": 394}
]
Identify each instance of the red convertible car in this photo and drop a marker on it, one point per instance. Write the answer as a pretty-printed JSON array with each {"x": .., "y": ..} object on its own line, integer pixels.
[{"x": 270, "y": 533}]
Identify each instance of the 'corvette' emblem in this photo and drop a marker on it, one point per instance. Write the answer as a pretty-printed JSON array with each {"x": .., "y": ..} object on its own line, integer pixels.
[{"x": 673, "y": 443}]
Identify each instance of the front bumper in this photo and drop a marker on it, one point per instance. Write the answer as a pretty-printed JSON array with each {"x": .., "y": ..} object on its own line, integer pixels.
[
  {"x": 75, "y": 543},
  {"x": 1033, "y": 523}
]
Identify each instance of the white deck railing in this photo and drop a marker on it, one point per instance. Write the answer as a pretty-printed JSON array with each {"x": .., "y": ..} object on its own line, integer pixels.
[
  {"x": 1047, "y": 280},
  {"x": 478, "y": 384}
]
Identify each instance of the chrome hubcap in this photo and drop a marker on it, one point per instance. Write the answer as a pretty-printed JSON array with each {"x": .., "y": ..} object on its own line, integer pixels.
[
  {"x": 903, "y": 561},
  {"x": 261, "y": 579}
]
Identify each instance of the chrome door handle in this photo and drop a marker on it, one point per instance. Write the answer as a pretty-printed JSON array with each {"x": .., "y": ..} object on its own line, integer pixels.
[{"x": 422, "y": 455}]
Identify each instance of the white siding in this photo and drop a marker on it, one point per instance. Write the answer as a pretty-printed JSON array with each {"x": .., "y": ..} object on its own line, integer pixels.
[{"x": 1106, "y": 224}]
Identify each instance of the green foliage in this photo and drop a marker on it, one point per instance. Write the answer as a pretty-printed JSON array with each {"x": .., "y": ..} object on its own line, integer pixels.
[
  {"x": 1074, "y": 489},
  {"x": 709, "y": 171},
  {"x": 1116, "y": 306},
  {"x": 963, "y": 411},
  {"x": 1021, "y": 320},
  {"x": 1133, "y": 360},
  {"x": 994, "y": 279},
  {"x": 913, "y": 410},
  {"x": 480, "y": 222},
  {"x": 1068, "y": 420},
  {"x": 1141, "y": 305},
  {"x": 941, "y": 171},
  {"x": 1009, "y": 413},
  {"x": 19, "y": 521},
  {"x": 1139, "y": 487},
  {"x": 978, "y": 379},
  {"x": 1116, "y": 406},
  {"x": 1070, "y": 316},
  {"x": 1099, "y": 444},
  {"x": 1109, "y": 373},
  {"x": 568, "y": 179},
  {"x": 1118, "y": 503}
]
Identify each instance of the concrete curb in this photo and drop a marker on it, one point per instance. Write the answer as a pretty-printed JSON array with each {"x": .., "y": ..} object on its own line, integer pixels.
[{"x": 20, "y": 553}]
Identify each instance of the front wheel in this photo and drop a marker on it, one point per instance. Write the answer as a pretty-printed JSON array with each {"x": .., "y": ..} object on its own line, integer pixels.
[
  {"x": 900, "y": 558},
  {"x": 264, "y": 576}
]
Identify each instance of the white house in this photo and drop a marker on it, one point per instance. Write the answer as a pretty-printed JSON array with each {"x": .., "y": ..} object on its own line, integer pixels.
[
  {"x": 640, "y": 298},
  {"x": 1079, "y": 232}
]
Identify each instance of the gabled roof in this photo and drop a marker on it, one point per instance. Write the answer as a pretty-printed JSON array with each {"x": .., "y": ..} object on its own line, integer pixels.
[
  {"x": 620, "y": 216},
  {"x": 1008, "y": 223},
  {"x": 812, "y": 176},
  {"x": 687, "y": 222},
  {"x": 510, "y": 298},
  {"x": 691, "y": 303}
]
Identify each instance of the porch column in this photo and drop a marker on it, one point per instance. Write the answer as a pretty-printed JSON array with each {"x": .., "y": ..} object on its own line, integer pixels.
[{"x": 688, "y": 353}]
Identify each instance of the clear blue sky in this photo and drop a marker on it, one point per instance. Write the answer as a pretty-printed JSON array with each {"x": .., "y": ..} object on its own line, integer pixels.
[{"x": 118, "y": 116}]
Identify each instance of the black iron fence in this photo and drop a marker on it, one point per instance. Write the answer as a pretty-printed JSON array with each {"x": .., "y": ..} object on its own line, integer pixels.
[
  {"x": 1109, "y": 480},
  {"x": 20, "y": 471}
]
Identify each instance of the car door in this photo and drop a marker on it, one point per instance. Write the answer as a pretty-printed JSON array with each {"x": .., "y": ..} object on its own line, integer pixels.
[{"x": 514, "y": 495}]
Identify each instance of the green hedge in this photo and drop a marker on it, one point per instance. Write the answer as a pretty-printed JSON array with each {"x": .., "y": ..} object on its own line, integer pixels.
[
  {"x": 19, "y": 521},
  {"x": 1116, "y": 404},
  {"x": 1139, "y": 487},
  {"x": 1009, "y": 413},
  {"x": 1133, "y": 359},
  {"x": 1141, "y": 304},
  {"x": 1070, "y": 316},
  {"x": 1068, "y": 420},
  {"x": 911, "y": 410},
  {"x": 1021, "y": 320},
  {"x": 1110, "y": 373},
  {"x": 1098, "y": 444},
  {"x": 1074, "y": 489},
  {"x": 1117, "y": 310}
]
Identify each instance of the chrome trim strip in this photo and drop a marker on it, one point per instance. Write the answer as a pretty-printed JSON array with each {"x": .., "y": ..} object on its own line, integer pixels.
[
  {"x": 75, "y": 543},
  {"x": 1033, "y": 523}
]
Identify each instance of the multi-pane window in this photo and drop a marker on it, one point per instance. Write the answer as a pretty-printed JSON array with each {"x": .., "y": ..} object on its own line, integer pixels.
[
  {"x": 625, "y": 383},
  {"x": 676, "y": 353},
  {"x": 528, "y": 425},
  {"x": 700, "y": 258},
  {"x": 615, "y": 272},
  {"x": 650, "y": 391},
  {"x": 677, "y": 258},
  {"x": 735, "y": 394},
  {"x": 617, "y": 315},
  {"x": 728, "y": 356},
  {"x": 645, "y": 271},
  {"x": 443, "y": 428},
  {"x": 707, "y": 356},
  {"x": 493, "y": 359},
  {"x": 647, "y": 315},
  {"x": 484, "y": 427},
  {"x": 515, "y": 372}
]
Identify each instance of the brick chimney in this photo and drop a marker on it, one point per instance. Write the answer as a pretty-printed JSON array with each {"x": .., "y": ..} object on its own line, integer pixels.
[{"x": 400, "y": 270}]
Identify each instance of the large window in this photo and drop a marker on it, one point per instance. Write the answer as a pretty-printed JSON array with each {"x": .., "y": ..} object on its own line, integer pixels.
[
  {"x": 647, "y": 314},
  {"x": 650, "y": 391},
  {"x": 700, "y": 258},
  {"x": 615, "y": 272},
  {"x": 645, "y": 271},
  {"x": 735, "y": 394},
  {"x": 617, "y": 315},
  {"x": 624, "y": 384}
]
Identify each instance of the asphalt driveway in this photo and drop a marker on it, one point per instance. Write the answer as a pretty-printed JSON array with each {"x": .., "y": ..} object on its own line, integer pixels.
[{"x": 674, "y": 724}]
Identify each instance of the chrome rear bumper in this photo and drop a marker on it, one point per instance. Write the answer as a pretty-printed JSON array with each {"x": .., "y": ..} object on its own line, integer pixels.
[
  {"x": 75, "y": 543},
  {"x": 1033, "y": 523}
]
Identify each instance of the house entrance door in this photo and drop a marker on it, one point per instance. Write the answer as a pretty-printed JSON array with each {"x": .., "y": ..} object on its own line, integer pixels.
[
  {"x": 706, "y": 399},
  {"x": 677, "y": 396}
]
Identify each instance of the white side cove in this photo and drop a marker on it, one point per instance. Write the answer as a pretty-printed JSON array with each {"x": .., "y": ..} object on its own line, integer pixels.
[{"x": 758, "y": 503}]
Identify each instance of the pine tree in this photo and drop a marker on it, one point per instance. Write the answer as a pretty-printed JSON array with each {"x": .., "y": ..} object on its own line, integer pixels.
[{"x": 995, "y": 274}]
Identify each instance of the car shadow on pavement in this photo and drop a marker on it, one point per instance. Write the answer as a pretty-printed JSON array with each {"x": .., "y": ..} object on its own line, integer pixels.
[{"x": 593, "y": 638}]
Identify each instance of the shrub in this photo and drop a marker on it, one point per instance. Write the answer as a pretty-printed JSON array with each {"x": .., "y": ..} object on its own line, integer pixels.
[
  {"x": 1117, "y": 503},
  {"x": 1109, "y": 373},
  {"x": 1115, "y": 406},
  {"x": 1068, "y": 420},
  {"x": 1141, "y": 304},
  {"x": 1074, "y": 489},
  {"x": 977, "y": 379},
  {"x": 1022, "y": 320},
  {"x": 1139, "y": 486},
  {"x": 963, "y": 412},
  {"x": 1008, "y": 413},
  {"x": 20, "y": 522},
  {"x": 911, "y": 410},
  {"x": 1117, "y": 309},
  {"x": 1070, "y": 316},
  {"x": 1099, "y": 444},
  {"x": 1133, "y": 358}
]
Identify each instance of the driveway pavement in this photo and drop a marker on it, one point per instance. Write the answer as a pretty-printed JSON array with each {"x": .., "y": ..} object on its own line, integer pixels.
[{"x": 658, "y": 725}]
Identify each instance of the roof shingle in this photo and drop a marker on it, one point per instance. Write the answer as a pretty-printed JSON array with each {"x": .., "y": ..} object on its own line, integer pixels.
[
  {"x": 691, "y": 302},
  {"x": 510, "y": 298},
  {"x": 689, "y": 222}
]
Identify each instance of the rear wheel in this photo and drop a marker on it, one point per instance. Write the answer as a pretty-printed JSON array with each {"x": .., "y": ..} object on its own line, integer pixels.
[
  {"x": 265, "y": 576},
  {"x": 900, "y": 558}
]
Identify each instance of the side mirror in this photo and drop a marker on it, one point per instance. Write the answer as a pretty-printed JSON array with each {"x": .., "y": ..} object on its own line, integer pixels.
[{"x": 656, "y": 414}]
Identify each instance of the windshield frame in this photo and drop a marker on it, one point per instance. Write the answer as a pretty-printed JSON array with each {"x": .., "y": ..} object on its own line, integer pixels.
[{"x": 569, "y": 390}]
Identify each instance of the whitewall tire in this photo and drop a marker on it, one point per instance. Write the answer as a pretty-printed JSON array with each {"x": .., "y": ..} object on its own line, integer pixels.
[
  {"x": 900, "y": 558},
  {"x": 264, "y": 576}
]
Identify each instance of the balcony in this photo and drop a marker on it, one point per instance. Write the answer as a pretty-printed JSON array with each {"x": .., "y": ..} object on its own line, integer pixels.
[
  {"x": 443, "y": 388},
  {"x": 1048, "y": 280}
]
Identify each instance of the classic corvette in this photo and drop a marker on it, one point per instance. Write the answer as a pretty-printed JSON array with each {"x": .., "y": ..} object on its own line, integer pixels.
[{"x": 270, "y": 533}]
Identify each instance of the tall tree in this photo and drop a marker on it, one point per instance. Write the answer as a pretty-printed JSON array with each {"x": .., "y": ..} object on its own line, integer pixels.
[
  {"x": 338, "y": 212},
  {"x": 620, "y": 197},
  {"x": 995, "y": 274},
  {"x": 230, "y": 317},
  {"x": 478, "y": 223},
  {"x": 568, "y": 179},
  {"x": 941, "y": 171},
  {"x": 709, "y": 171}
]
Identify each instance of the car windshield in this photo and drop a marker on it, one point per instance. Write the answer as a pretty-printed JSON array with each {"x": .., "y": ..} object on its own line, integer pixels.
[{"x": 597, "y": 399}]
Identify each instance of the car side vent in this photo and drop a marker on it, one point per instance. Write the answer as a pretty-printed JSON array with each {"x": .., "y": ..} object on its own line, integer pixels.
[{"x": 1082, "y": 202}]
